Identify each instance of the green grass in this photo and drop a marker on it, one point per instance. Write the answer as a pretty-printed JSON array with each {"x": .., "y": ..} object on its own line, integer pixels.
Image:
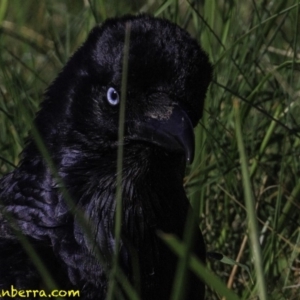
[{"x": 244, "y": 183}]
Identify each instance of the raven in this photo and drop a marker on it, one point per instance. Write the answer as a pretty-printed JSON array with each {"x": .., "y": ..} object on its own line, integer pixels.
[{"x": 167, "y": 79}]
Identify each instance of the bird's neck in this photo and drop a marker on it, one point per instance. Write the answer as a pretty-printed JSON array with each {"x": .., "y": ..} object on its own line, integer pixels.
[{"x": 152, "y": 187}]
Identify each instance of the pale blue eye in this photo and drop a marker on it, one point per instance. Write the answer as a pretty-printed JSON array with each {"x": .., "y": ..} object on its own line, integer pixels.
[{"x": 112, "y": 96}]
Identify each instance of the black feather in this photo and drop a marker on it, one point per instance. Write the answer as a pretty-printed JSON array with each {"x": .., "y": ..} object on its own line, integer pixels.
[{"x": 167, "y": 81}]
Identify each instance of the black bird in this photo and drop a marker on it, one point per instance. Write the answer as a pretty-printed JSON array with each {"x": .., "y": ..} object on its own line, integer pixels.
[{"x": 168, "y": 76}]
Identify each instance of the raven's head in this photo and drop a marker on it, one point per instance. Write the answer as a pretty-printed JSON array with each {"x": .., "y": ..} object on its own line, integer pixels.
[{"x": 168, "y": 75}]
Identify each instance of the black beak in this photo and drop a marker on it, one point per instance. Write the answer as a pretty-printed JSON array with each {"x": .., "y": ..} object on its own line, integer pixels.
[{"x": 173, "y": 132}]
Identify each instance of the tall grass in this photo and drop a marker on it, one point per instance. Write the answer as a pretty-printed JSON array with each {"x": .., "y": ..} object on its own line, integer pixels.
[{"x": 254, "y": 46}]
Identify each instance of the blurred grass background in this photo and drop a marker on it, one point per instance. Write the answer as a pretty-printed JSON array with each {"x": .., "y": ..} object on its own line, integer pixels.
[{"x": 248, "y": 142}]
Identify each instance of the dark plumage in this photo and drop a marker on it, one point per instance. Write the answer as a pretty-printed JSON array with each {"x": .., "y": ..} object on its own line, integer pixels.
[{"x": 167, "y": 80}]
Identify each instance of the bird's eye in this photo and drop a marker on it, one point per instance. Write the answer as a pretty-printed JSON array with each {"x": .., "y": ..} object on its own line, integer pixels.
[{"x": 112, "y": 96}]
